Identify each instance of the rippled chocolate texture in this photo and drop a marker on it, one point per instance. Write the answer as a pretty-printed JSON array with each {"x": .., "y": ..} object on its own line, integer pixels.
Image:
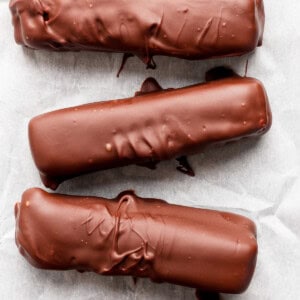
[
  {"x": 147, "y": 128},
  {"x": 189, "y": 29},
  {"x": 209, "y": 250}
]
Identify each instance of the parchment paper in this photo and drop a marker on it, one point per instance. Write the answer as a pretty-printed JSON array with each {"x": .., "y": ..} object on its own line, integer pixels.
[{"x": 257, "y": 178}]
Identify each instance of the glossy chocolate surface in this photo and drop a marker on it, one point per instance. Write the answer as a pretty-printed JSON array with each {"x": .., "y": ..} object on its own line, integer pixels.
[
  {"x": 148, "y": 128},
  {"x": 189, "y": 29},
  {"x": 210, "y": 250}
]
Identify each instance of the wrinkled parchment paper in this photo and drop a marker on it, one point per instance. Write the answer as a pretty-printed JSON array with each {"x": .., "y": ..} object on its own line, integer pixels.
[{"x": 257, "y": 178}]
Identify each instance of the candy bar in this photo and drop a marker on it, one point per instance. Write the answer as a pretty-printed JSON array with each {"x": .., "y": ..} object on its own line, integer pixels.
[
  {"x": 147, "y": 128},
  {"x": 189, "y": 29},
  {"x": 210, "y": 250}
]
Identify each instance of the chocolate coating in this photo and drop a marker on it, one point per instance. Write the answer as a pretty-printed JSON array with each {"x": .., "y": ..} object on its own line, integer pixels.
[
  {"x": 189, "y": 29},
  {"x": 147, "y": 128},
  {"x": 210, "y": 250}
]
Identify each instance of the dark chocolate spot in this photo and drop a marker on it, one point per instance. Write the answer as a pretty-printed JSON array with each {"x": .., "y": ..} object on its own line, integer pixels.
[
  {"x": 219, "y": 73},
  {"x": 184, "y": 166},
  {"x": 56, "y": 45},
  {"x": 80, "y": 270},
  {"x": 200, "y": 295},
  {"x": 45, "y": 16},
  {"x": 135, "y": 280}
]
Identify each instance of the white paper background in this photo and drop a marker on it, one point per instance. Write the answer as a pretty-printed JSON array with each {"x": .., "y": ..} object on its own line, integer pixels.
[{"x": 257, "y": 178}]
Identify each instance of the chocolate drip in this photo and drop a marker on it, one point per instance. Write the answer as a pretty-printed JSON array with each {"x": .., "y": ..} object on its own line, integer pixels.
[
  {"x": 124, "y": 60},
  {"x": 135, "y": 280},
  {"x": 148, "y": 61},
  {"x": 150, "y": 85},
  {"x": 184, "y": 166},
  {"x": 210, "y": 250}
]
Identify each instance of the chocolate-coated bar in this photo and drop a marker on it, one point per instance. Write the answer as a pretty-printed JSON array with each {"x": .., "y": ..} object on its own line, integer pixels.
[
  {"x": 189, "y": 29},
  {"x": 209, "y": 250},
  {"x": 147, "y": 128}
]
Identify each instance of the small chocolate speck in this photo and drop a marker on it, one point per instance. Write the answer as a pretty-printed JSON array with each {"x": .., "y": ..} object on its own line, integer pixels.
[
  {"x": 108, "y": 147},
  {"x": 262, "y": 122},
  {"x": 170, "y": 144}
]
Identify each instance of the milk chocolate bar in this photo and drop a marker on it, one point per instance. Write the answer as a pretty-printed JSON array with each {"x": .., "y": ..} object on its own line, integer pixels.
[
  {"x": 189, "y": 29},
  {"x": 210, "y": 250},
  {"x": 147, "y": 128}
]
